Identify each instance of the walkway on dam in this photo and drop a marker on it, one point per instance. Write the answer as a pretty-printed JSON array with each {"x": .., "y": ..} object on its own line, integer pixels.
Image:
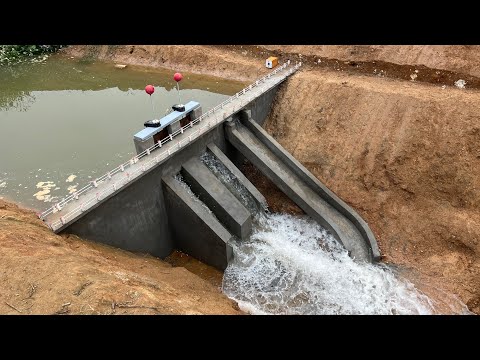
[{"x": 73, "y": 207}]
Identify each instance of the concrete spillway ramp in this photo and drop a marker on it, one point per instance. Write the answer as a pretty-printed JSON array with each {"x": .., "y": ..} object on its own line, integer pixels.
[
  {"x": 196, "y": 231},
  {"x": 303, "y": 188},
  {"x": 209, "y": 189},
  {"x": 234, "y": 180}
]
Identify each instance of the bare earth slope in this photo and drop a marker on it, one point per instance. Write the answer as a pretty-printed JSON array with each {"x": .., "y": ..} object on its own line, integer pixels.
[
  {"x": 43, "y": 273},
  {"x": 405, "y": 155},
  {"x": 192, "y": 58},
  {"x": 456, "y": 58},
  {"x": 438, "y": 64}
]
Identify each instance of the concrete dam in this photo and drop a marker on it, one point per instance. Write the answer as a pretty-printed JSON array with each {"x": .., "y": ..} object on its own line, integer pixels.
[{"x": 169, "y": 196}]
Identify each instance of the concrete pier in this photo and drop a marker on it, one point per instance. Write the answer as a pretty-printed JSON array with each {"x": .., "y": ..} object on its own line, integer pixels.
[{"x": 197, "y": 232}]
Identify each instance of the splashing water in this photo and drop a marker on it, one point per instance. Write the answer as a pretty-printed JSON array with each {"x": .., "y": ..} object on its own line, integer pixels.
[
  {"x": 232, "y": 183},
  {"x": 182, "y": 182},
  {"x": 291, "y": 265}
]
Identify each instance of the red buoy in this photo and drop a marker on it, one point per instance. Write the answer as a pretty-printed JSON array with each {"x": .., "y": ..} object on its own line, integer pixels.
[
  {"x": 149, "y": 89},
  {"x": 177, "y": 77}
]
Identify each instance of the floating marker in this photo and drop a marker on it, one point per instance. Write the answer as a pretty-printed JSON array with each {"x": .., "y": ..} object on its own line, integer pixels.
[
  {"x": 178, "y": 77},
  {"x": 149, "y": 89}
]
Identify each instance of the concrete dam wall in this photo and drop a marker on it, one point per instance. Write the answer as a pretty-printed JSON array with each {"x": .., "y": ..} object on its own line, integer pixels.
[
  {"x": 156, "y": 214},
  {"x": 181, "y": 200}
]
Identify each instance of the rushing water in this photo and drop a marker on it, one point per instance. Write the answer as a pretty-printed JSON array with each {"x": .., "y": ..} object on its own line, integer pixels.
[
  {"x": 65, "y": 122},
  {"x": 291, "y": 265}
]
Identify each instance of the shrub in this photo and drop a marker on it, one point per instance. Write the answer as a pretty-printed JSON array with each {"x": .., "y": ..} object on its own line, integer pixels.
[{"x": 13, "y": 54}]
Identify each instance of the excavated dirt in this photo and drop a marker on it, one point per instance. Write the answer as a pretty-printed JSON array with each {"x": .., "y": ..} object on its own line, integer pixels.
[
  {"x": 44, "y": 273},
  {"x": 405, "y": 155},
  {"x": 382, "y": 126},
  {"x": 209, "y": 60},
  {"x": 459, "y": 59},
  {"x": 437, "y": 64}
]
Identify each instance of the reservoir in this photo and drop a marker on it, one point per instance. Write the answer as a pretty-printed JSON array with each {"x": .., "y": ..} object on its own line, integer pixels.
[{"x": 65, "y": 122}]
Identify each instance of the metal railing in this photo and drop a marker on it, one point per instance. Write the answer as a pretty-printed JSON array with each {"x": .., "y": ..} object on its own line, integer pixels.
[{"x": 156, "y": 159}]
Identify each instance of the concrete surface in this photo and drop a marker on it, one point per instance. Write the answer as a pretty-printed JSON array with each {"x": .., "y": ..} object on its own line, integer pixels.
[
  {"x": 218, "y": 198},
  {"x": 320, "y": 188},
  {"x": 196, "y": 231},
  {"x": 260, "y": 108},
  {"x": 134, "y": 219},
  {"x": 293, "y": 184},
  {"x": 258, "y": 198}
]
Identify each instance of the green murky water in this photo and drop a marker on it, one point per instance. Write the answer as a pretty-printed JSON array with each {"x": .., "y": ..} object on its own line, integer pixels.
[{"x": 65, "y": 122}]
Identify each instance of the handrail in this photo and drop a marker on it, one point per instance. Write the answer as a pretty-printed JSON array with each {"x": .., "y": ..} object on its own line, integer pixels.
[{"x": 123, "y": 167}]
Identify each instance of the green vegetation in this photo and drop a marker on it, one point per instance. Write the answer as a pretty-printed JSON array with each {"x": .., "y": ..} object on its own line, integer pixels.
[{"x": 13, "y": 54}]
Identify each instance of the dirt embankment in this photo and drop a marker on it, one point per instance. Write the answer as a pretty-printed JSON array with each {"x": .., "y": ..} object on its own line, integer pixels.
[
  {"x": 209, "y": 60},
  {"x": 406, "y": 156},
  {"x": 461, "y": 59},
  {"x": 437, "y": 64},
  {"x": 43, "y": 273}
]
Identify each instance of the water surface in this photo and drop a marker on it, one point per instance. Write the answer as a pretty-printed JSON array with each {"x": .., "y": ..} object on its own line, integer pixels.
[{"x": 65, "y": 122}]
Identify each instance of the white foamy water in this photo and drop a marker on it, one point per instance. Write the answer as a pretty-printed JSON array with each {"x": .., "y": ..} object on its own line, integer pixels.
[
  {"x": 232, "y": 183},
  {"x": 182, "y": 182},
  {"x": 291, "y": 265}
]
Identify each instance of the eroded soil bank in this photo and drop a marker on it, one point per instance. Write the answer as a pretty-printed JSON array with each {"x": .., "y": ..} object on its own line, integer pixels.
[
  {"x": 406, "y": 156},
  {"x": 44, "y": 273}
]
